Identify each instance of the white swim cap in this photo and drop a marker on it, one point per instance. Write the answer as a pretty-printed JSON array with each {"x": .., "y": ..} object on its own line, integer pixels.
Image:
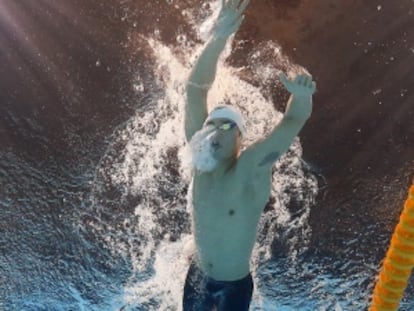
[{"x": 228, "y": 112}]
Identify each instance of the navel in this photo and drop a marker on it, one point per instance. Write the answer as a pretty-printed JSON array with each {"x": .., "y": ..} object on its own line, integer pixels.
[
  {"x": 210, "y": 265},
  {"x": 231, "y": 212}
]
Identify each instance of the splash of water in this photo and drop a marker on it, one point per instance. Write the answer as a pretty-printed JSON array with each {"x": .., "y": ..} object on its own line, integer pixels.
[{"x": 139, "y": 197}]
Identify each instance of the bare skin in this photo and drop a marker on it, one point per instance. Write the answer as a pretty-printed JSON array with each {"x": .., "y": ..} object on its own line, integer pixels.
[{"x": 228, "y": 201}]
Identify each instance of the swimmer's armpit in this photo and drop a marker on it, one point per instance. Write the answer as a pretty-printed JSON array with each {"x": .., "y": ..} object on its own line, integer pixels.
[{"x": 270, "y": 158}]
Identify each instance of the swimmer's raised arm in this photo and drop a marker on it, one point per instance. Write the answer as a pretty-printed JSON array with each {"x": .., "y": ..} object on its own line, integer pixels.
[
  {"x": 299, "y": 107},
  {"x": 264, "y": 153},
  {"x": 203, "y": 74}
]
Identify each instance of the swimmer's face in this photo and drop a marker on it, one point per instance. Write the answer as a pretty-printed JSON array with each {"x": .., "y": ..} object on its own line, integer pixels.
[{"x": 226, "y": 139}]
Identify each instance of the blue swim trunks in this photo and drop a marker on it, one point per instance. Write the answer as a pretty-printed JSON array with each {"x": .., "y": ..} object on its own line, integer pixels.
[{"x": 202, "y": 293}]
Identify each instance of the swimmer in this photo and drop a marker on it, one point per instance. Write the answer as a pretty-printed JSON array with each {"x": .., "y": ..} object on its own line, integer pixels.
[{"x": 230, "y": 188}]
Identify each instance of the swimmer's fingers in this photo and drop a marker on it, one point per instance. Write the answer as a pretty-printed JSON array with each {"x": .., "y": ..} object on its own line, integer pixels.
[
  {"x": 306, "y": 81},
  {"x": 311, "y": 84},
  {"x": 230, "y": 18},
  {"x": 284, "y": 80},
  {"x": 237, "y": 24},
  {"x": 301, "y": 85},
  {"x": 236, "y": 6},
  {"x": 243, "y": 6},
  {"x": 229, "y": 4}
]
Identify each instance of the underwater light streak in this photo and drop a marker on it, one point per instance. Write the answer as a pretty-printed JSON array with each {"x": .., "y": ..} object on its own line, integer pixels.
[
  {"x": 21, "y": 44},
  {"x": 36, "y": 40}
]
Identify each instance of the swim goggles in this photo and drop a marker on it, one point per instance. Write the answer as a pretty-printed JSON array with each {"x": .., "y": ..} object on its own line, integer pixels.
[{"x": 226, "y": 126}]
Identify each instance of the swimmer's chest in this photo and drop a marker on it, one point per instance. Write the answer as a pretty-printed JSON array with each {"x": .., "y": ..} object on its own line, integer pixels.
[{"x": 231, "y": 191}]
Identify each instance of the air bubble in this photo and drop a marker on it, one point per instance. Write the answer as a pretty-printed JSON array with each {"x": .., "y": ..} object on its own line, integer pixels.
[
  {"x": 181, "y": 39},
  {"x": 138, "y": 87}
]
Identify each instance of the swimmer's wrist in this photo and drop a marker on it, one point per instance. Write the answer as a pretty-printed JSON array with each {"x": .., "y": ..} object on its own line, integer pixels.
[
  {"x": 202, "y": 86},
  {"x": 219, "y": 38},
  {"x": 302, "y": 96}
]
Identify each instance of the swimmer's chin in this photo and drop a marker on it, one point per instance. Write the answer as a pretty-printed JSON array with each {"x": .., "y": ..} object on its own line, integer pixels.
[
  {"x": 203, "y": 165},
  {"x": 204, "y": 169}
]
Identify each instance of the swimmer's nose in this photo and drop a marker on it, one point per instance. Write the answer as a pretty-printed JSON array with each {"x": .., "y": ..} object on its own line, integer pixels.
[{"x": 215, "y": 145}]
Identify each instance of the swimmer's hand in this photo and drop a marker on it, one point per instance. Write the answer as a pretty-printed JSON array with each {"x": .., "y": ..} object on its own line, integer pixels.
[
  {"x": 299, "y": 107},
  {"x": 230, "y": 18},
  {"x": 301, "y": 86}
]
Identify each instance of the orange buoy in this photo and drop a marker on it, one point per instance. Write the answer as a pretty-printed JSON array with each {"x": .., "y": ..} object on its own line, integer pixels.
[{"x": 398, "y": 262}]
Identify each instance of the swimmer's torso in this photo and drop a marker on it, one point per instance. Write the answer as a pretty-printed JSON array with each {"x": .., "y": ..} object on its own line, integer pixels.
[{"x": 226, "y": 212}]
